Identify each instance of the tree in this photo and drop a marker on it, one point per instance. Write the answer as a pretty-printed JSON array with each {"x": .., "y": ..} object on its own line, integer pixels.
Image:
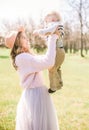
[
  {"x": 80, "y": 6},
  {"x": 67, "y": 36}
]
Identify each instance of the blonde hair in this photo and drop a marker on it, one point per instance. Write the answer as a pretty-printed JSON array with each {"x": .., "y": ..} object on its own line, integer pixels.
[{"x": 55, "y": 13}]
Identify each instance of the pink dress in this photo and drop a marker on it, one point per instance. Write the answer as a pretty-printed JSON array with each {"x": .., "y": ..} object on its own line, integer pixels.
[{"x": 35, "y": 110}]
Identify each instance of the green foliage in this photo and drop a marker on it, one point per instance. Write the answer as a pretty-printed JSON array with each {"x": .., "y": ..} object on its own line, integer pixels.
[
  {"x": 71, "y": 102},
  {"x": 39, "y": 44}
]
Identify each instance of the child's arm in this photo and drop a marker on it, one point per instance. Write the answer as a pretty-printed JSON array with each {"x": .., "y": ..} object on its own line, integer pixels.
[
  {"x": 46, "y": 31},
  {"x": 41, "y": 32},
  {"x": 49, "y": 30}
]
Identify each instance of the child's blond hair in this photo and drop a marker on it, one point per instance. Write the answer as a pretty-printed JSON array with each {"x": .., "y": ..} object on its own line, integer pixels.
[{"x": 55, "y": 13}]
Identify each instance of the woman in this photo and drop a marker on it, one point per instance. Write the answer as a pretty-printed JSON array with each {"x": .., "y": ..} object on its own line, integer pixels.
[{"x": 35, "y": 110}]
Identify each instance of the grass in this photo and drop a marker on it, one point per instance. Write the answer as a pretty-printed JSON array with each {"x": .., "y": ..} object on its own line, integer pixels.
[{"x": 71, "y": 102}]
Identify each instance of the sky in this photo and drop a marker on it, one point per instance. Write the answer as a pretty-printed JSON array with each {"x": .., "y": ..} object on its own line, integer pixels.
[{"x": 13, "y": 9}]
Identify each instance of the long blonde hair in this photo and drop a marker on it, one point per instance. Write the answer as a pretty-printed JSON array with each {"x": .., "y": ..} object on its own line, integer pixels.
[{"x": 17, "y": 49}]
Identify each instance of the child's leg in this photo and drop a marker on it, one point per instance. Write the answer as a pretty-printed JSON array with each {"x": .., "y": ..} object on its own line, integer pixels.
[
  {"x": 55, "y": 80},
  {"x": 60, "y": 57},
  {"x": 55, "y": 73},
  {"x": 60, "y": 75}
]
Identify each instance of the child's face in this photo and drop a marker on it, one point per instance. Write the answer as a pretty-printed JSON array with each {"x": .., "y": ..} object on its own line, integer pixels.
[{"x": 51, "y": 18}]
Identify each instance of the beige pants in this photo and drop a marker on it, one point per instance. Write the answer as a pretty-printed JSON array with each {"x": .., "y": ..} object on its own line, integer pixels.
[{"x": 55, "y": 72}]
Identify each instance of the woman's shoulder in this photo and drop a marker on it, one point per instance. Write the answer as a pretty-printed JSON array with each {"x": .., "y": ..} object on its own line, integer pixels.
[{"x": 23, "y": 57}]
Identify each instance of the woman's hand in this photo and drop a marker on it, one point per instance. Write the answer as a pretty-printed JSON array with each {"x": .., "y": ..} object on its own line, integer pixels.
[{"x": 57, "y": 32}]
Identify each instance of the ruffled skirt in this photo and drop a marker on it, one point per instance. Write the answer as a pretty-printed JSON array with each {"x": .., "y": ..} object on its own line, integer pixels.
[{"x": 35, "y": 111}]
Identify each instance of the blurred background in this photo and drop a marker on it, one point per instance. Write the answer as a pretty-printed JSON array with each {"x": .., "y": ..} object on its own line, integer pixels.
[
  {"x": 30, "y": 14},
  {"x": 72, "y": 101}
]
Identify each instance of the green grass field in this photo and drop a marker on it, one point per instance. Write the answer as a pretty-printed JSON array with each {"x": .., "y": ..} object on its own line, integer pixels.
[{"x": 71, "y": 102}]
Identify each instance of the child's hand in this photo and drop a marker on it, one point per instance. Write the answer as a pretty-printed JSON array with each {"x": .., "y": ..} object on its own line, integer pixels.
[{"x": 35, "y": 33}]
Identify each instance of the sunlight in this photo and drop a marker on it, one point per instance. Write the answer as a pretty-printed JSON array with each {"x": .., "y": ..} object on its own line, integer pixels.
[{"x": 11, "y": 9}]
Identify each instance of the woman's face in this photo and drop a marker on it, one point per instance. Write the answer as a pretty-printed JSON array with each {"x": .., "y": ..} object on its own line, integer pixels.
[{"x": 24, "y": 41}]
